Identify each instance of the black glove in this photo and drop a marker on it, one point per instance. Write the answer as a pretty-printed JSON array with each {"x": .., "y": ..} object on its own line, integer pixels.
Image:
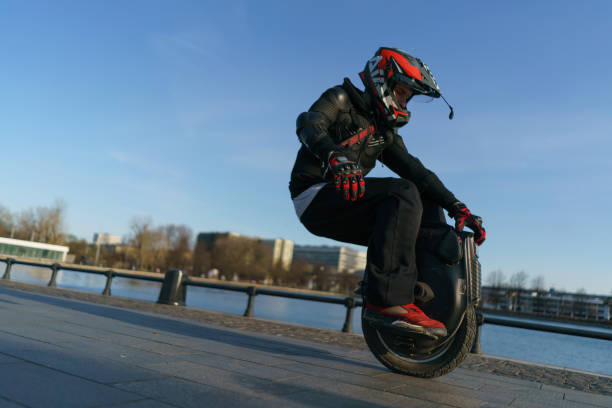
[
  {"x": 348, "y": 179},
  {"x": 464, "y": 218}
]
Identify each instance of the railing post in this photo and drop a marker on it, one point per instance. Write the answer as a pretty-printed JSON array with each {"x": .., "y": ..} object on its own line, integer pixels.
[
  {"x": 350, "y": 303},
  {"x": 173, "y": 290},
  {"x": 54, "y": 269},
  {"x": 252, "y": 292},
  {"x": 476, "y": 348},
  {"x": 7, "y": 271},
  {"x": 109, "y": 280}
]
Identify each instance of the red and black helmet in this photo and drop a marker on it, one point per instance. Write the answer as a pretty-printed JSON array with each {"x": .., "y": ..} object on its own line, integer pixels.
[{"x": 387, "y": 68}]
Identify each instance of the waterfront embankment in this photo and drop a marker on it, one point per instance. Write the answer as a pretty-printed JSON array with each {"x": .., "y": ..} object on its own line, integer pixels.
[{"x": 542, "y": 377}]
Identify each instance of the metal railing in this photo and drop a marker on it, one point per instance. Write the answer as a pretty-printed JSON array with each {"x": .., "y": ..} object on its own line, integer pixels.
[{"x": 174, "y": 285}]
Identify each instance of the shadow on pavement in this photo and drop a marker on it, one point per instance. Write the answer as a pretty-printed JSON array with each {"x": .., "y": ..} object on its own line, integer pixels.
[{"x": 195, "y": 330}]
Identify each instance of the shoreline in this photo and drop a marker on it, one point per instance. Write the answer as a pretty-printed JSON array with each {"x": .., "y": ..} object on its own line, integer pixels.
[{"x": 545, "y": 374}]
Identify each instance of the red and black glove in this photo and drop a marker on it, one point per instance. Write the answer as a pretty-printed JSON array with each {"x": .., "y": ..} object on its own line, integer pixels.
[
  {"x": 348, "y": 178},
  {"x": 464, "y": 218}
]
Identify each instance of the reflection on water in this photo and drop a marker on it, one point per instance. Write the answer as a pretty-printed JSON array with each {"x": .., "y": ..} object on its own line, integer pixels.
[
  {"x": 549, "y": 348},
  {"x": 314, "y": 314},
  {"x": 576, "y": 352},
  {"x": 124, "y": 287},
  {"x": 30, "y": 274}
]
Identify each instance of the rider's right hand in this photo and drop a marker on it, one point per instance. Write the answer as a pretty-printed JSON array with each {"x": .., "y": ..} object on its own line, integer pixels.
[{"x": 348, "y": 178}]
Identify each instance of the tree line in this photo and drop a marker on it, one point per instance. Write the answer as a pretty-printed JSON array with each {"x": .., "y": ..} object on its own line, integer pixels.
[
  {"x": 43, "y": 224},
  {"x": 250, "y": 259},
  {"x": 154, "y": 248}
]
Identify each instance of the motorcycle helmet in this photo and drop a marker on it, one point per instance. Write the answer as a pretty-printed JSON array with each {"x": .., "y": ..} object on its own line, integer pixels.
[{"x": 384, "y": 71}]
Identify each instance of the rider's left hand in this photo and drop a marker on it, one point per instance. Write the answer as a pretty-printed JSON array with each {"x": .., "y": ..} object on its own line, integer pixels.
[{"x": 464, "y": 218}]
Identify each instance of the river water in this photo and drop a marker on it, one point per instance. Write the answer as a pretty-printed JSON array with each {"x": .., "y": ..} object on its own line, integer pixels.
[{"x": 580, "y": 353}]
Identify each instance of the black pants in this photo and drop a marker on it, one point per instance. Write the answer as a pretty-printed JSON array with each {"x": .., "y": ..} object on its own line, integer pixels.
[{"x": 386, "y": 219}]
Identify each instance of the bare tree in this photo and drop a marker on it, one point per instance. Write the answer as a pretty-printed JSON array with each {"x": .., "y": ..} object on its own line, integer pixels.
[
  {"x": 232, "y": 256},
  {"x": 80, "y": 249},
  {"x": 301, "y": 273},
  {"x": 518, "y": 280},
  {"x": 6, "y": 222},
  {"x": 50, "y": 222},
  {"x": 496, "y": 278},
  {"x": 537, "y": 283},
  {"x": 348, "y": 282},
  {"x": 261, "y": 262},
  {"x": 178, "y": 242},
  {"x": 143, "y": 240},
  {"x": 26, "y": 225},
  {"x": 45, "y": 224},
  {"x": 322, "y": 277}
]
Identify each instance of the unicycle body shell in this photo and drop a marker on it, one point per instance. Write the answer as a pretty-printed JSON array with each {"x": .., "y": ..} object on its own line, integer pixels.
[{"x": 457, "y": 298}]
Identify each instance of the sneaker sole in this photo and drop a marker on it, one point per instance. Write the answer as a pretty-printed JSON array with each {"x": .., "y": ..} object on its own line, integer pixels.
[{"x": 388, "y": 322}]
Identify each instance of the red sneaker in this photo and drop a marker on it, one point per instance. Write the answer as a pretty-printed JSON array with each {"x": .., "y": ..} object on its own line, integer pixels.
[{"x": 413, "y": 320}]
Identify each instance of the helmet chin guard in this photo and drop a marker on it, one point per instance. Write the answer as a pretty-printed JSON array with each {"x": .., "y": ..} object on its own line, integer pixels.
[{"x": 384, "y": 71}]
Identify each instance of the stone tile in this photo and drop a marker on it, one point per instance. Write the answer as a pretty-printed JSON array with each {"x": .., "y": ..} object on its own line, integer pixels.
[
  {"x": 87, "y": 366},
  {"x": 225, "y": 380},
  {"x": 241, "y": 352},
  {"x": 323, "y": 392},
  {"x": 337, "y": 363},
  {"x": 187, "y": 394},
  {"x": 143, "y": 343},
  {"x": 123, "y": 354},
  {"x": 11, "y": 342},
  {"x": 520, "y": 391},
  {"x": 4, "y": 403},
  {"x": 527, "y": 403},
  {"x": 4, "y": 359},
  {"x": 582, "y": 397},
  {"x": 243, "y": 367},
  {"x": 461, "y": 380},
  {"x": 55, "y": 389},
  {"x": 497, "y": 379},
  {"x": 143, "y": 403},
  {"x": 38, "y": 333},
  {"x": 435, "y": 391},
  {"x": 116, "y": 328},
  {"x": 327, "y": 399},
  {"x": 339, "y": 376}
]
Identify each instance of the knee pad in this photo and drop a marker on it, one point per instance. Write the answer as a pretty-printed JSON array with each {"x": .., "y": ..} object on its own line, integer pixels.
[{"x": 407, "y": 193}]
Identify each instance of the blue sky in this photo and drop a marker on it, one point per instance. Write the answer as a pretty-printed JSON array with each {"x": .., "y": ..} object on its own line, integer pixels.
[{"x": 185, "y": 111}]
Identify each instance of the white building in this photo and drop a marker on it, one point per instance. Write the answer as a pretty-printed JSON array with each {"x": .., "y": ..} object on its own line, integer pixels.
[
  {"x": 341, "y": 258},
  {"x": 282, "y": 251},
  {"x": 106, "y": 239},
  {"x": 34, "y": 250}
]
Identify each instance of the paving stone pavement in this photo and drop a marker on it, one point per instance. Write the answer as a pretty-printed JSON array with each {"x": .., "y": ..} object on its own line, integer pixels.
[{"x": 62, "y": 348}]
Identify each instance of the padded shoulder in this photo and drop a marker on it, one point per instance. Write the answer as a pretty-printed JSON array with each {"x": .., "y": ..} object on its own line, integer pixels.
[
  {"x": 338, "y": 96},
  {"x": 333, "y": 101}
]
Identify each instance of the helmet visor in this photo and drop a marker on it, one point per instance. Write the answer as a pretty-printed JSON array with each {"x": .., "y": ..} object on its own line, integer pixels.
[{"x": 420, "y": 98}]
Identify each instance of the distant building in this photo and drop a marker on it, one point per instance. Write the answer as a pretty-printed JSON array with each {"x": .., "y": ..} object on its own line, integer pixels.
[
  {"x": 32, "y": 250},
  {"x": 106, "y": 239},
  {"x": 282, "y": 251},
  {"x": 210, "y": 237},
  {"x": 550, "y": 303},
  {"x": 341, "y": 258}
]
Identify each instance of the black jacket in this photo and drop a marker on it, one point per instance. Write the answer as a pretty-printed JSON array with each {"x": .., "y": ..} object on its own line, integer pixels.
[{"x": 342, "y": 120}]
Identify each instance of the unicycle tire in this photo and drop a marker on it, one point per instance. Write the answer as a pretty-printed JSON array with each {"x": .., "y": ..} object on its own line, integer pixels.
[{"x": 397, "y": 353}]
